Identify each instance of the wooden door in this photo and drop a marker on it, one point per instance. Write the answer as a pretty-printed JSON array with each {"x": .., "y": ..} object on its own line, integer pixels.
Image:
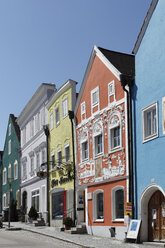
[{"x": 156, "y": 217}]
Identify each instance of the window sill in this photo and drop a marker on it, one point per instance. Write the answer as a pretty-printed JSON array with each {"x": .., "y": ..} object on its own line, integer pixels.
[
  {"x": 115, "y": 150},
  {"x": 150, "y": 138},
  {"x": 99, "y": 155},
  {"x": 99, "y": 221},
  {"x": 118, "y": 220}
]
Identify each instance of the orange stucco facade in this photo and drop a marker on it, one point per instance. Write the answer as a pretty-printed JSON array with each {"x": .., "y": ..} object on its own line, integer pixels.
[{"x": 102, "y": 169}]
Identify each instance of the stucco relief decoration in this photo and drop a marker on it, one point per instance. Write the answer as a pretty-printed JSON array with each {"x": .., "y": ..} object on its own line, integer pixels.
[
  {"x": 86, "y": 170},
  {"x": 97, "y": 127},
  {"x": 116, "y": 166},
  {"x": 82, "y": 135}
]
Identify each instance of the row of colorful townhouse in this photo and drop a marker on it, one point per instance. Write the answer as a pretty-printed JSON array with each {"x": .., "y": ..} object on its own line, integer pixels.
[{"x": 88, "y": 155}]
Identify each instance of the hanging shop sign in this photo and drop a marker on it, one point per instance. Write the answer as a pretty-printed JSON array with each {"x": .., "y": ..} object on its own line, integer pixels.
[
  {"x": 42, "y": 174},
  {"x": 128, "y": 208}
]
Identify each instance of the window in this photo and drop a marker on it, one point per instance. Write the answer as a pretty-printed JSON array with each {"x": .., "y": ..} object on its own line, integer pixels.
[
  {"x": 43, "y": 156},
  {"x": 84, "y": 149},
  {"x": 98, "y": 144},
  {"x": 37, "y": 123},
  {"x": 32, "y": 165},
  {"x": 115, "y": 137},
  {"x": 7, "y": 199},
  {"x": 9, "y": 129},
  {"x": 57, "y": 117},
  {"x": 9, "y": 147},
  {"x": 64, "y": 108},
  {"x": 67, "y": 153},
  {"x": 51, "y": 120},
  {"x": 98, "y": 205},
  {"x": 15, "y": 170},
  {"x": 24, "y": 136},
  {"x": 35, "y": 199},
  {"x": 111, "y": 88},
  {"x": 59, "y": 157},
  {"x": 53, "y": 160},
  {"x": 9, "y": 171},
  {"x": 38, "y": 160},
  {"x": 83, "y": 110},
  {"x": 150, "y": 122},
  {"x": 32, "y": 128},
  {"x": 24, "y": 172},
  {"x": 57, "y": 205},
  {"x": 95, "y": 97},
  {"x": 4, "y": 176},
  {"x": 42, "y": 113},
  {"x": 4, "y": 201},
  {"x": 118, "y": 203}
]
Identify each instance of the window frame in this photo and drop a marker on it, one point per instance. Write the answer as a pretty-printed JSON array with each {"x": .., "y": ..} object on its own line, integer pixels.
[
  {"x": 97, "y": 103},
  {"x": 58, "y": 160},
  {"x": 83, "y": 151},
  {"x": 9, "y": 171},
  {"x": 4, "y": 176},
  {"x": 15, "y": 170},
  {"x": 34, "y": 196},
  {"x": 51, "y": 120},
  {"x": 66, "y": 147},
  {"x": 52, "y": 155},
  {"x": 95, "y": 207},
  {"x": 64, "y": 107},
  {"x": 95, "y": 139},
  {"x": 144, "y": 122},
  {"x": 9, "y": 147},
  {"x": 57, "y": 122},
  {"x": 83, "y": 109},
  {"x": 9, "y": 132},
  {"x": 113, "y": 202}
]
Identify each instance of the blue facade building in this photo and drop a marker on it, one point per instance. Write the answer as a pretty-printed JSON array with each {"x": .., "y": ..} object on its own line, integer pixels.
[{"x": 149, "y": 124}]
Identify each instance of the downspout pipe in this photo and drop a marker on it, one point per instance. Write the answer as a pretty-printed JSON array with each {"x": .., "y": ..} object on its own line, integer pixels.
[{"x": 128, "y": 80}]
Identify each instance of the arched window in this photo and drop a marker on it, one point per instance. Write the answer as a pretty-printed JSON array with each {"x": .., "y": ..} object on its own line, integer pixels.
[
  {"x": 98, "y": 205},
  {"x": 118, "y": 203}
]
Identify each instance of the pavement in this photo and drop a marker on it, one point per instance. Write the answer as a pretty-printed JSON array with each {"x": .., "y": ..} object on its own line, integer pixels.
[{"x": 82, "y": 240}]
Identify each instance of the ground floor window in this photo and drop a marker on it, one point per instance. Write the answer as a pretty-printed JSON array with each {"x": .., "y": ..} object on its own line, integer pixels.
[
  {"x": 35, "y": 199},
  {"x": 57, "y": 205},
  {"x": 98, "y": 205},
  {"x": 118, "y": 203}
]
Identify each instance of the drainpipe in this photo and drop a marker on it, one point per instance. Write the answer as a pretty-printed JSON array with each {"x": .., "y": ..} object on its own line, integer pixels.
[{"x": 128, "y": 80}]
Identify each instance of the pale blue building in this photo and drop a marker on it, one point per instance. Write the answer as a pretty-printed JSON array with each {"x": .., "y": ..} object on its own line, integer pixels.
[{"x": 149, "y": 124}]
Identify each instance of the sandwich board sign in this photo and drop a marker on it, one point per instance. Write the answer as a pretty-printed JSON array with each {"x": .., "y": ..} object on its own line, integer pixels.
[{"x": 133, "y": 229}]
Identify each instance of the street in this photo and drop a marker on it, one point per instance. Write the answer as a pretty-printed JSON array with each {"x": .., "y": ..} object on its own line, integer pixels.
[
  {"x": 29, "y": 238},
  {"x": 26, "y": 239}
]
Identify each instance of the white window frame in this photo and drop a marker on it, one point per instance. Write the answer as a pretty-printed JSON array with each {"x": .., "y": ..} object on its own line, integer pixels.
[
  {"x": 83, "y": 152},
  {"x": 24, "y": 136},
  {"x": 95, "y": 217},
  {"x": 96, "y": 148},
  {"x": 57, "y": 122},
  {"x": 144, "y": 128},
  {"x": 97, "y": 103},
  {"x": 65, "y": 147},
  {"x": 36, "y": 195},
  {"x": 83, "y": 109},
  {"x": 9, "y": 171},
  {"x": 32, "y": 128},
  {"x": 24, "y": 170},
  {"x": 37, "y": 160},
  {"x": 15, "y": 170},
  {"x": 111, "y": 92},
  {"x": 64, "y": 107},
  {"x": 43, "y": 154},
  {"x": 4, "y": 176},
  {"x": 58, "y": 151},
  {"x": 113, "y": 202},
  {"x": 9, "y": 129},
  {"x": 32, "y": 165},
  {"x": 9, "y": 147},
  {"x": 51, "y": 120},
  {"x": 4, "y": 201},
  {"x": 113, "y": 148}
]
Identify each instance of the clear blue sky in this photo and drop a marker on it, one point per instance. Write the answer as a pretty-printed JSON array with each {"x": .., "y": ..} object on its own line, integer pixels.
[{"x": 51, "y": 40}]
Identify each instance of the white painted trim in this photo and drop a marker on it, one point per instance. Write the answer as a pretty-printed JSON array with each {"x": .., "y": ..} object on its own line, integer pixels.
[
  {"x": 126, "y": 146},
  {"x": 151, "y": 137},
  {"x": 95, "y": 193},
  {"x": 86, "y": 206},
  {"x": 163, "y": 115},
  {"x": 95, "y": 90},
  {"x": 113, "y": 202},
  {"x": 101, "y": 112}
]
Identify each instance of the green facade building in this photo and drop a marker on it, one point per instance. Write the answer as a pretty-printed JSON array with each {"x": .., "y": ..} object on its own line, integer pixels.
[{"x": 10, "y": 165}]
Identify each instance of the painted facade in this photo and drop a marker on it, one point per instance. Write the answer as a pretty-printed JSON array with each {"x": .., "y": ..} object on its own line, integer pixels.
[
  {"x": 149, "y": 128},
  {"x": 34, "y": 150},
  {"x": 11, "y": 164},
  {"x": 1, "y": 153},
  {"x": 60, "y": 152},
  {"x": 101, "y": 137}
]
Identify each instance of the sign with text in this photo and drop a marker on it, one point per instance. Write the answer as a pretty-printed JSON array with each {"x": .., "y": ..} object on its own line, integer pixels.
[
  {"x": 128, "y": 208},
  {"x": 133, "y": 229}
]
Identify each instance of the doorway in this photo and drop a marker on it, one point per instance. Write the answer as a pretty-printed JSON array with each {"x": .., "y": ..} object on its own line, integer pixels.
[{"x": 156, "y": 217}]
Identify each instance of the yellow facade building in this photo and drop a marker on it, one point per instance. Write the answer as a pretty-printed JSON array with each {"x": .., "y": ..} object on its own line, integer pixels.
[{"x": 60, "y": 153}]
